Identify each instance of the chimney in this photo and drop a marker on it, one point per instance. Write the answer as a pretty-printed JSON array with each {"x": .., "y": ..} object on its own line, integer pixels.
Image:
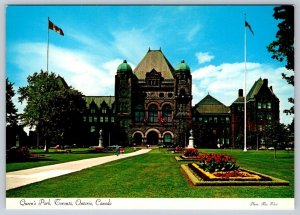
[
  {"x": 271, "y": 88},
  {"x": 240, "y": 92},
  {"x": 265, "y": 82}
]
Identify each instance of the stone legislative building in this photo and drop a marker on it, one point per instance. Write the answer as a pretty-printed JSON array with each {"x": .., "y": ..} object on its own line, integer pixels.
[{"x": 152, "y": 105}]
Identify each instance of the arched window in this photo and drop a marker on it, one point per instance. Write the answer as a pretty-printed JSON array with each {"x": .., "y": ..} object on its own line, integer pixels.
[
  {"x": 139, "y": 113},
  {"x": 153, "y": 113},
  {"x": 167, "y": 113}
]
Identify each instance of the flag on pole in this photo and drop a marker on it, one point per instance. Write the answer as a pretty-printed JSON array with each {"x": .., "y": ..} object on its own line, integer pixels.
[
  {"x": 248, "y": 26},
  {"x": 55, "y": 28}
]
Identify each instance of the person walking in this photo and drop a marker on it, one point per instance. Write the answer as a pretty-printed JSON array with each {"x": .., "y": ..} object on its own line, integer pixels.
[{"x": 117, "y": 150}]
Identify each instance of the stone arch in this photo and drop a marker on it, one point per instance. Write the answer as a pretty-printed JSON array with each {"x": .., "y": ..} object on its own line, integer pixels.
[
  {"x": 138, "y": 137},
  {"x": 153, "y": 136},
  {"x": 168, "y": 137}
]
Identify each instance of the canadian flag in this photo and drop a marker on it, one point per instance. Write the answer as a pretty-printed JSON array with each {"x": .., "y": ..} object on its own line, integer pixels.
[
  {"x": 162, "y": 120},
  {"x": 55, "y": 28}
]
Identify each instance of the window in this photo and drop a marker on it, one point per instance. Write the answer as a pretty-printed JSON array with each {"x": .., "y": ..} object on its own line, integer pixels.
[
  {"x": 222, "y": 119},
  {"x": 112, "y": 119},
  {"x": 167, "y": 113},
  {"x": 90, "y": 119},
  {"x": 264, "y": 105},
  {"x": 153, "y": 113},
  {"x": 259, "y": 117},
  {"x": 210, "y": 119},
  {"x": 259, "y": 105},
  {"x": 227, "y": 119},
  {"x": 95, "y": 119},
  {"x": 269, "y": 105},
  {"x": 93, "y": 109},
  {"x": 215, "y": 119},
  {"x": 106, "y": 119},
  {"x": 269, "y": 117},
  {"x": 205, "y": 119},
  {"x": 93, "y": 128},
  {"x": 139, "y": 113},
  {"x": 84, "y": 118},
  {"x": 200, "y": 119},
  {"x": 103, "y": 110},
  {"x": 101, "y": 119}
]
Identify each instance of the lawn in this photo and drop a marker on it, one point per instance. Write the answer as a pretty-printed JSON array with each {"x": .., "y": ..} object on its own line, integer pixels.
[
  {"x": 158, "y": 175},
  {"x": 53, "y": 157}
]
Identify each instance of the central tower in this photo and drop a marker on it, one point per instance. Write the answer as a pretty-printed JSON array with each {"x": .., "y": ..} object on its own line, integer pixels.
[{"x": 153, "y": 101}]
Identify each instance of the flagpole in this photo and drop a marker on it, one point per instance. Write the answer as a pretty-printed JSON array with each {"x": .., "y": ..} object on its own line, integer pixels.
[
  {"x": 48, "y": 46},
  {"x": 245, "y": 102}
]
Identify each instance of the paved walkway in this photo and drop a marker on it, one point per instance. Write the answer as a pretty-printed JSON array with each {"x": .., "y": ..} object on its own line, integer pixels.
[{"x": 28, "y": 176}]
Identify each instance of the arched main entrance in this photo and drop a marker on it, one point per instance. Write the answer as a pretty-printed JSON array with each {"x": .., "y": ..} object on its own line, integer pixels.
[
  {"x": 152, "y": 138},
  {"x": 138, "y": 138}
]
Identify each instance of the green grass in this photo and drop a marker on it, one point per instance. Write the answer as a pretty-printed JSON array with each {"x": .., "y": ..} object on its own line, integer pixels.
[
  {"x": 158, "y": 175},
  {"x": 53, "y": 157}
]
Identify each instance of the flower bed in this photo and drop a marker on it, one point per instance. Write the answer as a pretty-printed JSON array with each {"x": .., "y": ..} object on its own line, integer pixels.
[
  {"x": 191, "y": 153},
  {"x": 236, "y": 175},
  {"x": 242, "y": 177}
]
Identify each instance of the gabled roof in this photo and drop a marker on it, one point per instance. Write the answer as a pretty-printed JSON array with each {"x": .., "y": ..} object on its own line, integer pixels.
[
  {"x": 254, "y": 89},
  {"x": 154, "y": 59},
  {"x": 240, "y": 100},
  {"x": 98, "y": 100},
  {"x": 211, "y": 105}
]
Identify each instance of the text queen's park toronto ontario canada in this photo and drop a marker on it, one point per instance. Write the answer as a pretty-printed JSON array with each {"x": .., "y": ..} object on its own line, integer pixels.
[{"x": 149, "y": 102}]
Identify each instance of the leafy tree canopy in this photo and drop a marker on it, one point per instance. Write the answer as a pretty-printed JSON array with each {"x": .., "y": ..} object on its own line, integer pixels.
[
  {"x": 282, "y": 47},
  {"x": 11, "y": 111},
  {"x": 53, "y": 108}
]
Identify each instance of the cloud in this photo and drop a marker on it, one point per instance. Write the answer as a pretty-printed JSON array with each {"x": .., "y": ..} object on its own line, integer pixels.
[
  {"x": 223, "y": 82},
  {"x": 204, "y": 57},
  {"x": 133, "y": 43},
  {"x": 82, "y": 70},
  {"x": 193, "y": 32}
]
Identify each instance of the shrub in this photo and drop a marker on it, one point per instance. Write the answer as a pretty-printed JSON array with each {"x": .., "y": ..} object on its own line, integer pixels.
[
  {"x": 217, "y": 162},
  {"x": 17, "y": 154},
  {"x": 191, "y": 153},
  {"x": 178, "y": 149}
]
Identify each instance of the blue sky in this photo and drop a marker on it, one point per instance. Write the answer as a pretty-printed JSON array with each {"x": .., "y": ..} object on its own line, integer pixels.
[{"x": 98, "y": 38}]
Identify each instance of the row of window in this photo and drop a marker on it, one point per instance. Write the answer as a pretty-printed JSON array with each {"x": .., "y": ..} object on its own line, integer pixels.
[
  {"x": 264, "y": 105},
  {"x": 210, "y": 119},
  {"x": 103, "y": 110},
  {"x": 166, "y": 114},
  {"x": 260, "y": 117},
  {"x": 99, "y": 119}
]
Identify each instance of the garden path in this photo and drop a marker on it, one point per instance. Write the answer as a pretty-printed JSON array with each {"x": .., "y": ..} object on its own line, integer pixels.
[{"x": 28, "y": 176}]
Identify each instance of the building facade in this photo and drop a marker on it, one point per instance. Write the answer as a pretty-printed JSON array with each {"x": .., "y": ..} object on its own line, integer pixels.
[
  {"x": 153, "y": 102},
  {"x": 211, "y": 123},
  {"x": 262, "y": 110},
  {"x": 152, "y": 105}
]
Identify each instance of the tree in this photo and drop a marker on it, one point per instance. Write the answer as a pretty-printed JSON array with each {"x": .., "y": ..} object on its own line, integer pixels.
[
  {"x": 276, "y": 135},
  {"x": 11, "y": 111},
  {"x": 53, "y": 108},
  {"x": 283, "y": 47}
]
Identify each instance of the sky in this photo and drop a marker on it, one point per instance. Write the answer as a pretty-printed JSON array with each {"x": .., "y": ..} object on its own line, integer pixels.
[{"x": 211, "y": 40}]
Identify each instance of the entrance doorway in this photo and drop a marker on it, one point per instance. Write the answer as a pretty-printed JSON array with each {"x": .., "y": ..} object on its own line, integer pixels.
[
  {"x": 152, "y": 138},
  {"x": 137, "y": 138}
]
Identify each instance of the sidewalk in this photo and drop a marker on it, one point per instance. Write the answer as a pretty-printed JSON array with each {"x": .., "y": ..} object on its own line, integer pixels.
[{"x": 28, "y": 176}]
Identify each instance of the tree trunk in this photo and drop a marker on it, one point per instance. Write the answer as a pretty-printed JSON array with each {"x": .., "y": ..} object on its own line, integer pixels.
[{"x": 46, "y": 148}]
